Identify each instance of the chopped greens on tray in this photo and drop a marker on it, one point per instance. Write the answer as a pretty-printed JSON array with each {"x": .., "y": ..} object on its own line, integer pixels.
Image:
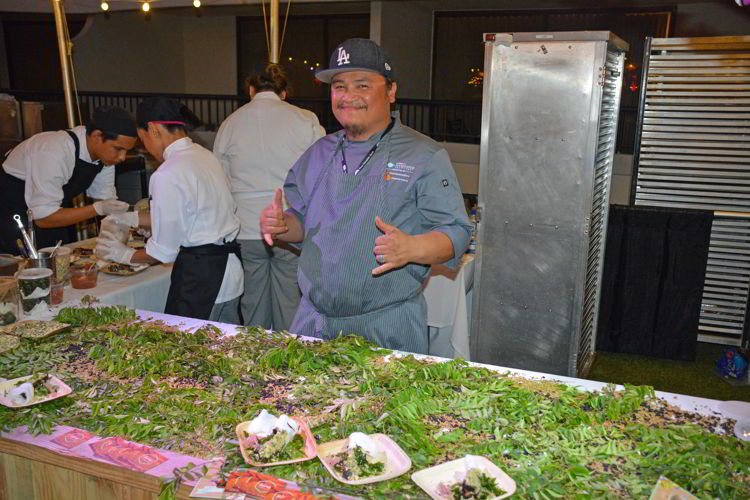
[
  {"x": 476, "y": 484},
  {"x": 355, "y": 463},
  {"x": 276, "y": 447}
]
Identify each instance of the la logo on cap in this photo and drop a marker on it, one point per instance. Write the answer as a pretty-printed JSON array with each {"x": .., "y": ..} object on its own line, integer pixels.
[{"x": 343, "y": 57}]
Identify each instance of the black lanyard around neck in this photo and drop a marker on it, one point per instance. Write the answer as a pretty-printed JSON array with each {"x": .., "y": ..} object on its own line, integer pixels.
[{"x": 369, "y": 155}]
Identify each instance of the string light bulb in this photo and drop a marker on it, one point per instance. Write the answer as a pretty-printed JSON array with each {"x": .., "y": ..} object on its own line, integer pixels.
[
  {"x": 145, "y": 7},
  {"x": 196, "y": 3},
  {"x": 104, "y": 6}
]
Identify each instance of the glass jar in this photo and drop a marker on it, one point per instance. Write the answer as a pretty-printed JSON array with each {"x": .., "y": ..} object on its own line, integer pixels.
[{"x": 8, "y": 301}]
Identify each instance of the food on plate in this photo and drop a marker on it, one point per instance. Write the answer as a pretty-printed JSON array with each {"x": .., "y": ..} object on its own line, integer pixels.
[
  {"x": 123, "y": 269},
  {"x": 273, "y": 439},
  {"x": 474, "y": 483},
  {"x": 27, "y": 391},
  {"x": 362, "y": 458},
  {"x": 83, "y": 251},
  {"x": 120, "y": 268}
]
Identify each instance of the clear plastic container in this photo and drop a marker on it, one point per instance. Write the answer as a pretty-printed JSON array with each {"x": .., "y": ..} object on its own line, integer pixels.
[
  {"x": 8, "y": 301},
  {"x": 59, "y": 263},
  {"x": 56, "y": 292},
  {"x": 84, "y": 275},
  {"x": 34, "y": 287}
]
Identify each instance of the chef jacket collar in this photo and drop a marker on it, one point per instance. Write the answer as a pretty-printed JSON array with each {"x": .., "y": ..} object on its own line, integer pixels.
[
  {"x": 266, "y": 94},
  {"x": 177, "y": 145}
]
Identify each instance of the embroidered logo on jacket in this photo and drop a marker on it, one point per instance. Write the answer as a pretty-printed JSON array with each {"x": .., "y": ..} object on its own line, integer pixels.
[{"x": 398, "y": 171}]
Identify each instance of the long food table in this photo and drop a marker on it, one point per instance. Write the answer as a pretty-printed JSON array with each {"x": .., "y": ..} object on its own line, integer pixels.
[
  {"x": 448, "y": 294},
  {"x": 548, "y": 436}
]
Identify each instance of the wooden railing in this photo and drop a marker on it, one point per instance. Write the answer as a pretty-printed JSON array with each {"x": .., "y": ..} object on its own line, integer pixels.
[{"x": 453, "y": 121}]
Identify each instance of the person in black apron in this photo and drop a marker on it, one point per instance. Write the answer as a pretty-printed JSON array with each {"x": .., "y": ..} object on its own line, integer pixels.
[
  {"x": 48, "y": 170},
  {"x": 192, "y": 220}
]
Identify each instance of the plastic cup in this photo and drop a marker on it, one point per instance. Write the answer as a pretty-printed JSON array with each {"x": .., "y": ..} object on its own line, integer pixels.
[
  {"x": 8, "y": 301},
  {"x": 34, "y": 287},
  {"x": 56, "y": 292},
  {"x": 83, "y": 276},
  {"x": 59, "y": 263}
]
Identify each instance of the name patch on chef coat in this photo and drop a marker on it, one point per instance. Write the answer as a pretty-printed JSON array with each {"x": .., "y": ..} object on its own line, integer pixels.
[{"x": 398, "y": 171}]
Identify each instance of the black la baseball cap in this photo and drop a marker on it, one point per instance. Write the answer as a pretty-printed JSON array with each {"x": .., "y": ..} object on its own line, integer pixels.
[
  {"x": 113, "y": 120},
  {"x": 357, "y": 54}
]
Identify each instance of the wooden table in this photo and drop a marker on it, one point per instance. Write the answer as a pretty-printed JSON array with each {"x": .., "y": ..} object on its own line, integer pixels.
[{"x": 33, "y": 473}]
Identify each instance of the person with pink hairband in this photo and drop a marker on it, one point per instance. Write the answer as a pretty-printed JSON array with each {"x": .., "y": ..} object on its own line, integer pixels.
[{"x": 192, "y": 220}]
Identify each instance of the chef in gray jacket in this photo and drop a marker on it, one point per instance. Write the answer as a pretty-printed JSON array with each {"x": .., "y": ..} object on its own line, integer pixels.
[{"x": 373, "y": 206}]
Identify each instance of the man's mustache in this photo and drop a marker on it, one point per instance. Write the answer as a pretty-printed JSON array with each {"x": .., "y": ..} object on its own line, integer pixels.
[{"x": 351, "y": 105}]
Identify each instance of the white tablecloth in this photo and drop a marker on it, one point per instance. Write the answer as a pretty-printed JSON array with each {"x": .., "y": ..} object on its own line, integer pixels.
[
  {"x": 448, "y": 294},
  {"x": 146, "y": 290}
]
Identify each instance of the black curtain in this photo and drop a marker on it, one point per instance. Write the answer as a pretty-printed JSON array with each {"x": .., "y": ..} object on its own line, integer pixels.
[{"x": 652, "y": 285}]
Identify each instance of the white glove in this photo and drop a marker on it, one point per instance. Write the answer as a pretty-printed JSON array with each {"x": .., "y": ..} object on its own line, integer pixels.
[
  {"x": 108, "y": 248},
  {"x": 108, "y": 207},
  {"x": 128, "y": 218}
]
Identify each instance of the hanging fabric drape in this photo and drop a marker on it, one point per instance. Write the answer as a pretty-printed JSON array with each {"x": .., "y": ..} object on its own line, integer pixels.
[{"x": 653, "y": 281}]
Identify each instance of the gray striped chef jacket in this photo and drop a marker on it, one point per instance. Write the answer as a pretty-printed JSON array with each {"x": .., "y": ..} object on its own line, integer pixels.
[{"x": 410, "y": 183}]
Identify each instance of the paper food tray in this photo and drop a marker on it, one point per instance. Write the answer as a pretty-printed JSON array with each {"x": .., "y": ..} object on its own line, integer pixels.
[
  {"x": 429, "y": 479},
  {"x": 5, "y": 388},
  {"x": 397, "y": 462},
  {"x": 310, "y": 447}
]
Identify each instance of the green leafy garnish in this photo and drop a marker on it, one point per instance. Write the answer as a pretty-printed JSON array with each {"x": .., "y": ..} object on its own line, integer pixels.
[{"x": 187, "y": 391}]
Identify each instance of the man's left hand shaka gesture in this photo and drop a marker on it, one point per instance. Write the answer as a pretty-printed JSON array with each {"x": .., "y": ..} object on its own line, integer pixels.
[{"x": 392, "y": 249}]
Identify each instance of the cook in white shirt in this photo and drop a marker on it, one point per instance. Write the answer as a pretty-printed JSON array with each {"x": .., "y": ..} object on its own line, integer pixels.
[
  {"x": 257, "y": 145},
  {"x": 45, "y": 172},
  {"x": 192, "y": 220}
]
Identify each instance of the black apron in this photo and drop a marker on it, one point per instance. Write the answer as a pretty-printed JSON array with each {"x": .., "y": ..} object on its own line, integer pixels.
[
  {"x": 12, "y": 202},
  {"x": 196, "y": 279}
]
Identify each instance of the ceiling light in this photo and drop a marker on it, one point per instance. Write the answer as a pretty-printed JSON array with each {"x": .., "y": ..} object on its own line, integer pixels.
[
  {"x": 196, "y": 3},
  {"x": 145, "y": 7},
  {"x": 104, "y": 6}
]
